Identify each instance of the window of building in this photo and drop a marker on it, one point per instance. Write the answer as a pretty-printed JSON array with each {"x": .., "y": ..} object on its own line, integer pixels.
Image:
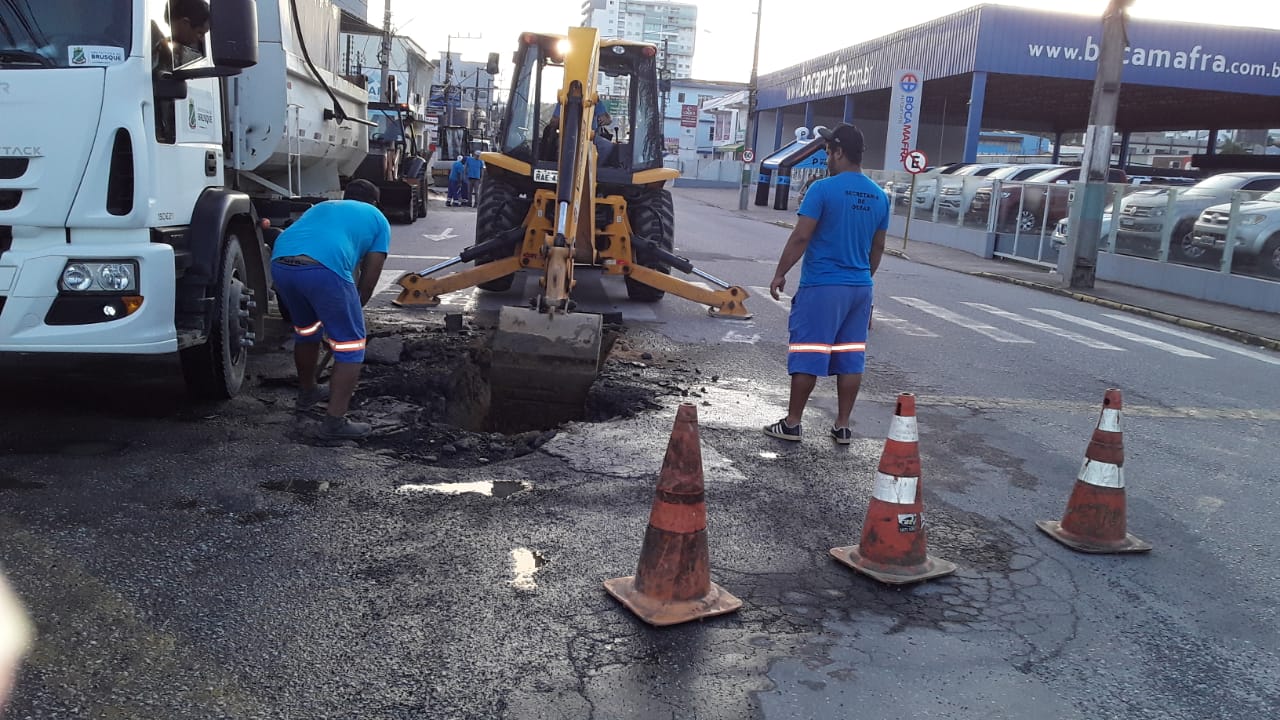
[{"x": 680, "y": 98}]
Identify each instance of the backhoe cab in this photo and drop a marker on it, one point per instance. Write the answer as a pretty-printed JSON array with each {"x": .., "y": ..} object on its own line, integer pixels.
[{"x": 557, "y": 197}]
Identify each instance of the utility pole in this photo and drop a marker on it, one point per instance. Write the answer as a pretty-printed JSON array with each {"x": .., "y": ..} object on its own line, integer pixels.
[
  {"x": 1079, "y": 267},
  {"x": 748, "y": 137},
  {"x": 448, "y": 72},
  {"x": 666, "y": 77},
  {"x": 386, "y": 52}
]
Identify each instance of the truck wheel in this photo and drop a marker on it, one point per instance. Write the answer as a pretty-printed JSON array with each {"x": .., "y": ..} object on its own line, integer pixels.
[
  {"x": 1269, "y": 260},
  {"x": 215, "y": 370},
  {"x": 1182, "y": 246},
  {"x": 500, "y": 210},
  {"x": 653, "y": 217}
]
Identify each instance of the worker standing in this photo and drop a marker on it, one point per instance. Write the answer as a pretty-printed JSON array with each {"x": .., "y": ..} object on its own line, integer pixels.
[
  {"x": 475, "y": 168},
  {"x": 457, "y": 183},
  {"x": 840, "y": 233},
  {"x": 314, "y": 265}
]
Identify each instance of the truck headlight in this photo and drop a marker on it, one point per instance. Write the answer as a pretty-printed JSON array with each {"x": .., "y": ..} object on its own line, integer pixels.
[
  {"x": 76, "y": 276},
  {"x": 1157, "y": 212},
  {"x": 1005, "y": 194},
  {"x": 1252, "y": 219},
  {"x": 113, "y": 276}
]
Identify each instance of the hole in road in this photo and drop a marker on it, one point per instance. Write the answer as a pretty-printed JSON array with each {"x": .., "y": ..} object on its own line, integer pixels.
[
  {"x": 436, "y": 405},
  {"x": 492, "y": 488}
]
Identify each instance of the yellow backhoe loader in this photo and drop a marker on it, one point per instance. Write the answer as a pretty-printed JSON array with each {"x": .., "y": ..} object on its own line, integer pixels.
[{"x": 557, "y": 197}]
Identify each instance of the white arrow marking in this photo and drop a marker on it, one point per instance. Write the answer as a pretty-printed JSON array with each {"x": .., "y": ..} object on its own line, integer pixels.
[{"x": 447, "y": 234}]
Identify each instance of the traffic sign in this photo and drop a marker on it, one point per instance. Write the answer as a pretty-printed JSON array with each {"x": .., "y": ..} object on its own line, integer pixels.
[
  {"x": 915, "y": 162},
  {"x": 748, "y": 156}
]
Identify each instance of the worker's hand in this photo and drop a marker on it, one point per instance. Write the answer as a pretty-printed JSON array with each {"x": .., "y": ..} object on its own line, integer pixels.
[{"x": 775, "y": 287}]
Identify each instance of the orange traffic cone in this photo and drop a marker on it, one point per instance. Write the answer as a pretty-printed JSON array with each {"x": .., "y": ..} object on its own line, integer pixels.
[
  {"x": 893, "y": 548},
  {"x": 673, "y": 581},
  {"x": 1095, "y": 518}
]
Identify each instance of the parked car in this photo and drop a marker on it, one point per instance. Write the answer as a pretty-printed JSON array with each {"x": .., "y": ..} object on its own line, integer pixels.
[
  {"x": 899, "y": 191},
  {"x": 1257, "y": 237},
  {"x": 1142, "y": 215},
  {"x": 926, "y": 190},
  {"x": 1025, "y": 207},
  {"x": 979, "y": 204}
]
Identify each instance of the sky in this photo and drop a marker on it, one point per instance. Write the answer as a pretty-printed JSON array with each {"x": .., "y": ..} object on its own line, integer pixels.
[{"x": 726, "y": 28}]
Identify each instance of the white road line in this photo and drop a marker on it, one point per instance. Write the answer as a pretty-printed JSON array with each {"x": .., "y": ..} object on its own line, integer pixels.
[
  {"x": 1269, "y": 358},
  {"x": 969, "y": 323},
  {"x": 763, "y": 292},
  {"x": 464, "y": 299},
  {"x": 901, "y": 325},
  {"x": 1032, "y": 322},
  {"x": 1183, "y": 352},
  {"x": 386, "y": 280},
  {"x": 420, "y": 257}
]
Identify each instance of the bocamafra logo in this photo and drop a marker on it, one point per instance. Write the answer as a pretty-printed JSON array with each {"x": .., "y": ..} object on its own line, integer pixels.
[
  {"x": 191, "y": 114},
  {"x": 77, "y": 56},
  {"x": 909, "y": 83}
]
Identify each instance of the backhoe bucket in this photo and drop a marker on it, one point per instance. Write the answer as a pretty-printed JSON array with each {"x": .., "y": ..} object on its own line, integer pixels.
[{"x": 543, "y": 365}]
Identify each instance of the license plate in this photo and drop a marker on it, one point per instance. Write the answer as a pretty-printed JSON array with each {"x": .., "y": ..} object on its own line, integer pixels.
[{"x": 546, "y": 176}]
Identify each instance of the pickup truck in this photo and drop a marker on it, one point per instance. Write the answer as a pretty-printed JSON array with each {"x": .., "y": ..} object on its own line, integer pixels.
[
  {"x": 1257, "y": 237},
  {"x": 1024, "y": 207}
]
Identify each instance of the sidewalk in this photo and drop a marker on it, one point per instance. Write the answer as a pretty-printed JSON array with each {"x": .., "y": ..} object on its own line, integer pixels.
[{"x": 1247, "y": 326}]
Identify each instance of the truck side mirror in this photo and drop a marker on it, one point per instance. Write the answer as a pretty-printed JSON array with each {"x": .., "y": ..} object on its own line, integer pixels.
[{"x": 234, "y": 29}]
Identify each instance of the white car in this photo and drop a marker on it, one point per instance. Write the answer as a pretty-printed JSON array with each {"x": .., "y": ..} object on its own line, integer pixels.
[{"x": 926, "y": 190}]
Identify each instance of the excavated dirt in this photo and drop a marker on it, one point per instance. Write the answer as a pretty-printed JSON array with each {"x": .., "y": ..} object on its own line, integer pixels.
[{"x": 431, "y": 404}]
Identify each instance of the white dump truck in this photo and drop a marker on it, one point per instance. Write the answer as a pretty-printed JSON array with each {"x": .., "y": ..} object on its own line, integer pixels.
[{"x": 136, "y": 173}]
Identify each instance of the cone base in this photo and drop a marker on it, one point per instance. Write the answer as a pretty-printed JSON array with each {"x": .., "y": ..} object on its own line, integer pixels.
[
  {"x": 932, "y": 567},
  {"x": 1130, "y": 544},
  {"x": 660, "y": 613}
]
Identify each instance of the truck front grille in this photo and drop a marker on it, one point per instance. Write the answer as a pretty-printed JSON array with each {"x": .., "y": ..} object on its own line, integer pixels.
[
  {"x": 9, "y": 199},
  {"x": 12, "y": 168}
]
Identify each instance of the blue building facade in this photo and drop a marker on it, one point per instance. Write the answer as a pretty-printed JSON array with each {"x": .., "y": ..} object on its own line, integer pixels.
[{"x": 1009, "y": 68}]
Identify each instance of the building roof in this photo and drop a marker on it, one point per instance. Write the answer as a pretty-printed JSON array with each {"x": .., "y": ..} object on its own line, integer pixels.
[{"x": 1040, "y": 69}]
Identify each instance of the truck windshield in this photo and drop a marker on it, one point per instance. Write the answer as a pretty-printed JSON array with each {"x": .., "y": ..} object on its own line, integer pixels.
[{"x": 64, "y": 33}]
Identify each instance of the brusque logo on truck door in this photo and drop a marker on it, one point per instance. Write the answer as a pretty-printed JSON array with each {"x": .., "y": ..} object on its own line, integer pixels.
[{"x": 94, "y": 55}]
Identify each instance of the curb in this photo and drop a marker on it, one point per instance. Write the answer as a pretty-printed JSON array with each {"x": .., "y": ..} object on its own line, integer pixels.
[{"x": 1241, "y": 336}]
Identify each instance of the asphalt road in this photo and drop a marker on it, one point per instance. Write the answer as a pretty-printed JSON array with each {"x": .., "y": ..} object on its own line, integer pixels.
[{"x": 168, "y": 579}]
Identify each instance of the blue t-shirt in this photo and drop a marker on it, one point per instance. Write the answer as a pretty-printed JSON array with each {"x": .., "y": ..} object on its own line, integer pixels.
[
  {"x": 474, "y": 168},
  {"x": 457, "y": 171},
  {"x": 337, "y": 234},
  {"x": 849, "y": 208}
]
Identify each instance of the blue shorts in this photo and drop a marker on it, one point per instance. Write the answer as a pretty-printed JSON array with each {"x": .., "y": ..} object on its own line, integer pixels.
[
  {"x": 829, "y": 330},
  {"x": 321, "y": 303}
]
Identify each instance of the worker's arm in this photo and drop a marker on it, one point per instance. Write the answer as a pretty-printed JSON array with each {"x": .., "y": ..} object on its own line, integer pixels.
[
  {"x": 370, "y": 271},
  {"x": 877, "y": 250},
  {"x": 792, "y": 252}
]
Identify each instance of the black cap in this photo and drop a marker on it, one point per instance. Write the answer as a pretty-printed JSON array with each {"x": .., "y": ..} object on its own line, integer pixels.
[{"x": 848, "y": 137}]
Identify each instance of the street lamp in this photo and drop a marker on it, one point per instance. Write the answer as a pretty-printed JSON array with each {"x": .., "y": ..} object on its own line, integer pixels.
[{"x": 748, "y": 138}]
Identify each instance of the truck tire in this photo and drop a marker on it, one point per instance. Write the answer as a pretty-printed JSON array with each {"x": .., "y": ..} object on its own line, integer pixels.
[
  {"x": 215, "y": 369},
  {"x": 1181, "y": 246},
  {"x": 653, "y": 217},
  {"x": 500, "y": 209},
  {"x": 1269, "y": 260}
]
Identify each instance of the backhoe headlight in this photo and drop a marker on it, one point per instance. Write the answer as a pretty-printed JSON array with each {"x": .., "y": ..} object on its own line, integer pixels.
[{"x": 113, "y": 276}]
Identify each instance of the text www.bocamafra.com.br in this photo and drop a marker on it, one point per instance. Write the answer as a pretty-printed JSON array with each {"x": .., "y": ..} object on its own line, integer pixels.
[{"x": 1194, "y": 60}]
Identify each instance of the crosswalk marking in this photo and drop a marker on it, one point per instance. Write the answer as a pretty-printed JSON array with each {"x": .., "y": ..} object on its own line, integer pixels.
[
  {"x": 1270, "y": 359},
  {"x": 903, "y": 326},
  {"x": 1183, "y": 352},
  {"x": 386, "y": 279},
  {"x": 1046, "y": 327},
  {"x": 953, "y": 317}
]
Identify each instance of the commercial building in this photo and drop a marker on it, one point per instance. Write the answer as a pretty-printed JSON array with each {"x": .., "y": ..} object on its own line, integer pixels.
[
  {"x": 672, "y": 26},
  {"x": 996, "y": 67}
]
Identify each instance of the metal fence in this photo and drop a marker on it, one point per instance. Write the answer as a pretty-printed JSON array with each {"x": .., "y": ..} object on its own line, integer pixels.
[{"x": 1030, "y": 221}]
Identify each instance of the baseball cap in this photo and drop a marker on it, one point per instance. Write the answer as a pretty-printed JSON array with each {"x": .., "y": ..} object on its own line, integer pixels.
[{"x": 848, "y": 137}]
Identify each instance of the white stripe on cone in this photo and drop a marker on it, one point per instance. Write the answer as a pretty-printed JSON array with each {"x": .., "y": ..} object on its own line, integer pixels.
[
  {"x": 1110, "y": 421},
  {"x": 896, "y": 490},
  {"x": 903, "y": 429},
  {"x": 1101, "y": 474}
]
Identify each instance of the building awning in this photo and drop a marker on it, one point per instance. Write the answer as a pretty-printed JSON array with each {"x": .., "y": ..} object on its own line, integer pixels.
[{"x": 735, "y": 148}]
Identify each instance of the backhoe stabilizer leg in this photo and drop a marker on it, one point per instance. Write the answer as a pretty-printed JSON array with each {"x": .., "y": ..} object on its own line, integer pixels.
[
  {"x": 729, "y": 302},
  {"x": 418, "y": 290}
]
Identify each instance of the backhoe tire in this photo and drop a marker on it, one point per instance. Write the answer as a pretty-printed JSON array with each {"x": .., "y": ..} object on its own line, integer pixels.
[
  {"x": 653, "y": 217},
  {"x": 215, "y": 370},
  {"x": 501, "y": 208}
]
